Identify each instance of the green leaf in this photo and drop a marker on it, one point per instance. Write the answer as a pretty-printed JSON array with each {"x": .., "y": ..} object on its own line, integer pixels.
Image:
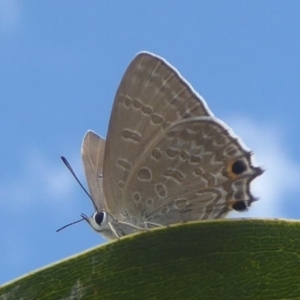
[{"x": 219, "y": 259}]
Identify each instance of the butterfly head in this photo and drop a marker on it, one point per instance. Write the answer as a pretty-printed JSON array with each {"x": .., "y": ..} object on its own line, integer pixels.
[
  {"x": 103, "y": 223},
  {"x": 98, "y": 221}
]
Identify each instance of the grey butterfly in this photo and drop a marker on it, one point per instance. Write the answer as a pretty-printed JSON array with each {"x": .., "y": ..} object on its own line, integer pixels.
[{"x": 166, "y": 159}]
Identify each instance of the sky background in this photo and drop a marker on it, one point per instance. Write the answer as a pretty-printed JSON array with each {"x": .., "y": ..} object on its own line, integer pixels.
[{"x": 60, "y": 65}]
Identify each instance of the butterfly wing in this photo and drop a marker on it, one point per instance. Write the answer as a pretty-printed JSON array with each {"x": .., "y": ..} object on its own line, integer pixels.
[
  {"x": 92, "y": 153},
  {"x": 151, "y": 97},
  {"x": 197, "y": 169}
]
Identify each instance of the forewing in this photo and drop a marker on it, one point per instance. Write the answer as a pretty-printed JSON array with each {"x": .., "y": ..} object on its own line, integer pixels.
[
  {"x": 197, "y": 170},
  {"x": 151, "y": 97},
  {"x": 92, "y": 152}
]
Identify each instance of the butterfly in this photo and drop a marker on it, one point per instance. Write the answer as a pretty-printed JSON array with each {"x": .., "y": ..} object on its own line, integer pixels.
[{"x": 166, "y": 158}]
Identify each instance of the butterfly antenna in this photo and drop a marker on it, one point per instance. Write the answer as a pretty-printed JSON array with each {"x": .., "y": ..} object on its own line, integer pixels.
[
  {"x": 75, "y": 222},
  {"x": 65, "y": 161},
  {"x": 67, "y": 164}
]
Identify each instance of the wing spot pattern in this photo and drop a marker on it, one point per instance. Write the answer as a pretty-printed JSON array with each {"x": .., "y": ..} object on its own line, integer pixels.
[
  {"x": 137, "y": 197},
  {"x": 210, "y": 179},
  {"x": 127, "y": 101},
  {"x": 137, "y": 104},
  {"x": 144, "y": 174},
  {"x": 184, "y": 155},
  {"x": 147, "y": 110},
  {"x": 149, "y": 201},
  {"x": 172, "y": 153},
  {"x": 180, "y": 203},
  {"x": 131, "y": 135},
  {"x": 174, "y": 174},
  {"x": 164, "y": 210},
  {"x": 195, "y": 160},
  {"x": 121, "y": 184},
  {"x": 161, "y": 190},
  {"x": 124, "y": 164},
  {"x": 198, "y": 172},
  {"x": 157, "y": 119},
  {"x": 156, "y": 154}
]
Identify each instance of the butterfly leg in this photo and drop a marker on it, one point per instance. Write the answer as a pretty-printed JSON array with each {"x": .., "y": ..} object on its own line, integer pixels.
[
  {"x": 131, "y": 225},
  {"x": 113, "y": 230},
  {"x": 153, "y": 224}
]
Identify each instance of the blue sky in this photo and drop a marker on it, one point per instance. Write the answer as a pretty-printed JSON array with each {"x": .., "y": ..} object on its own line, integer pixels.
[{"x": 61, "y": 62}]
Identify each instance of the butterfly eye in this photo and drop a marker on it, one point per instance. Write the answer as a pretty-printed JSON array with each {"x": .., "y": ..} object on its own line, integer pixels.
[
  {"x": 100, "y": 217},
  {"x": 238, "y": 167},
  {"x": 239, "y": 206}
]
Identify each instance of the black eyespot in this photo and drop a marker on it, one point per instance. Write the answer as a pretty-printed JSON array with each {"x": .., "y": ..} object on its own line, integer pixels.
[
  {"x": 239, "y": 206},
  {"x": 238, "y": 167},
  {"x": 98, "y": 217}
]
